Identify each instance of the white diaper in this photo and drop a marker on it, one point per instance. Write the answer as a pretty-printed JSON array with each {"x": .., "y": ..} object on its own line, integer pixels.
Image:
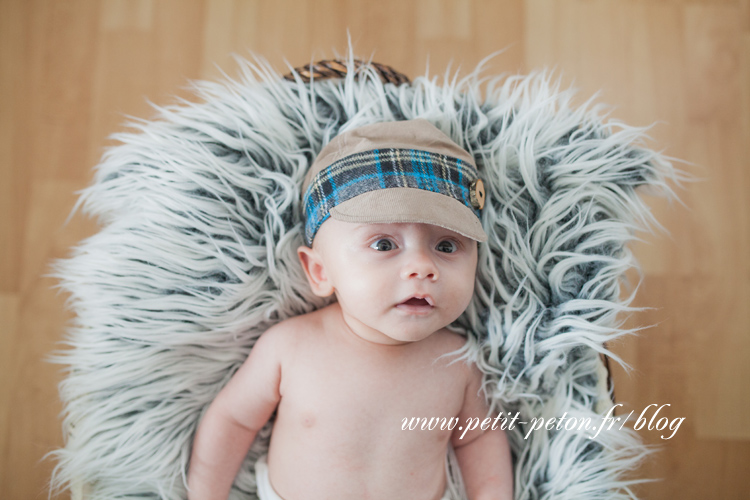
[{"x": 266, "y": 491}]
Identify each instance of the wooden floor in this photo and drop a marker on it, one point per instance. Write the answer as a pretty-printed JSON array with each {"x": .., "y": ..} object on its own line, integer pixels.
[{"x": 71, "y": 70}]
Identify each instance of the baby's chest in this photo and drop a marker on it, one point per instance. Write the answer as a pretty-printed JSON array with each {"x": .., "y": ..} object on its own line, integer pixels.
[{"x": 357, "y": 392}]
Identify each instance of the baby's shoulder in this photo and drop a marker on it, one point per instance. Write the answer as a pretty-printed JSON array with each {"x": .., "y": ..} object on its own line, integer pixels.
[
  {"x": 450, "y": 348},
  {"x": 449, "y": 341},
  {"x": 293, "y": 329}
]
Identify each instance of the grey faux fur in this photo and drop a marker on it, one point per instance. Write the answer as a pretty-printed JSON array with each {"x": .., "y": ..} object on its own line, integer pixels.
[{"x": 200, "y": 218}]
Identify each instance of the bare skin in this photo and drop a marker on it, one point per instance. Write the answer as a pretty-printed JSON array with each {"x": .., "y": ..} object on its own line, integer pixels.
[{"x": 343, "y": 378}]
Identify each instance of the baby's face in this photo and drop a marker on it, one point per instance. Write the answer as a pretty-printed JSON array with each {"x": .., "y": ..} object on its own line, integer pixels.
[{"x": 395, "y": 283}]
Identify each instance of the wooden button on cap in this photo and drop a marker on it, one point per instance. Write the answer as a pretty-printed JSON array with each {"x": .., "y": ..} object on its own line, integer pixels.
[{"x": 476, "y": 194}]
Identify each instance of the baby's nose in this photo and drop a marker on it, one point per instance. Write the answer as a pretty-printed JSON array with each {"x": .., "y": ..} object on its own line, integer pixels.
[{"x": 421, "y": 266}]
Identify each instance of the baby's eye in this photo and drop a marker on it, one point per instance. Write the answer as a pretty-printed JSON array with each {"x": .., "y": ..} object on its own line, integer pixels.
[
  {"x": 447, "y": 246},
  {"x": 383, "y": 245}
]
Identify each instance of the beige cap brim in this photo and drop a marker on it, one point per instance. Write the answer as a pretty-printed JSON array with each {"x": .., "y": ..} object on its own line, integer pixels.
[{"x": 411, "y": 205}]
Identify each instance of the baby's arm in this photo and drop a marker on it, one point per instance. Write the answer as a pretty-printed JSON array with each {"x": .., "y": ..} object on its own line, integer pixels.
[
  {"x": 483, "y": 456},
  {"x": 234, "y": 418}
]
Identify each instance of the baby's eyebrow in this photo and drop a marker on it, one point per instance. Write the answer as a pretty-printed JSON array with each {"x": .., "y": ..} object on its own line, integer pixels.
[{"x": 363, "y": 230}]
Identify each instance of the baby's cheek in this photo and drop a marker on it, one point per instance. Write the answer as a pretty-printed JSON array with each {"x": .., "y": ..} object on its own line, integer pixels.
[
  {"x": 363, "y": 291},
  {"x": 464, "y": 291}
]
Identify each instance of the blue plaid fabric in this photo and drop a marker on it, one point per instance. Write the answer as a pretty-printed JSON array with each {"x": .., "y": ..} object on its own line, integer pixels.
[{"x": 382, "y": 169}]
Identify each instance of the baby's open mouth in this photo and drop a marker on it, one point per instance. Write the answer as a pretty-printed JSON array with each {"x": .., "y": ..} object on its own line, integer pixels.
[
  {"x": 416, "y": 302},
  {"x": 416, "y": 305}
]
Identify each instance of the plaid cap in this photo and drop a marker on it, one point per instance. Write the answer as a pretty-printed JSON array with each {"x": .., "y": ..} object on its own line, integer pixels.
[{"x": 388, "y": 176}]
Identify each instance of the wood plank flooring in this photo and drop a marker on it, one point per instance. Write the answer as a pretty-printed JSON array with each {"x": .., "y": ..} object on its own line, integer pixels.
[{"x": 70, "y": 71}]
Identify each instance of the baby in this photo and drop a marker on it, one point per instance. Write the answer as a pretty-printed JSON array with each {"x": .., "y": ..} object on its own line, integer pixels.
[{"x": 392, "y": 225}]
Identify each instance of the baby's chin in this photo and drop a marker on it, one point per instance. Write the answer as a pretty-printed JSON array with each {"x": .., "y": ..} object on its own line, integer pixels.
[
  {"x": 407, "y": 337},
  {"x": 410, "y": 333},
  {"x": 394, "y": 334}
]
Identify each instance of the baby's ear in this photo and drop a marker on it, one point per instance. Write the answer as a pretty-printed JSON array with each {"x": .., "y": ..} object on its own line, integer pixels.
[{"x": 315, "y": 272}]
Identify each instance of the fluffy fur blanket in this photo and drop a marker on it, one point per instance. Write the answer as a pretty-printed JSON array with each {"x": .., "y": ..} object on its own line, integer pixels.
[{"x": 200, "y": 218}]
